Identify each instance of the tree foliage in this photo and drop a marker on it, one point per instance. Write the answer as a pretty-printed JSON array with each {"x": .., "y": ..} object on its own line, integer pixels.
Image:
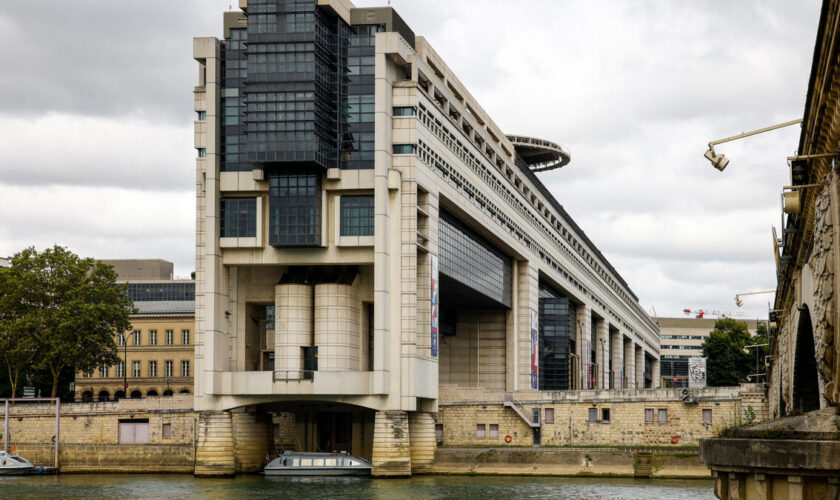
[
  {"x": 726, "y": 362},
  {"x": 59, "y": 312}
]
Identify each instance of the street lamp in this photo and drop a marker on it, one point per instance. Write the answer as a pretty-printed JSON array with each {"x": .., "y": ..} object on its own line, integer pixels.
[
  {"x": 755, "y": 346},
  {"x": 739, "y": 302},
  {"x": 720, "y": 161},
  {"x": 125, "y": 361}
]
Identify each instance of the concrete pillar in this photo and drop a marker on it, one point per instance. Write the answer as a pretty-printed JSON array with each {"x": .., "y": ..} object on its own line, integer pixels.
[
  {"x": 795, "y": 489},
  {"x": 214, "y": 455},
  {"x": 721, "y": 485},
  {"x": 253, "y": 436},
  {"x": 762, "y": 488},
  {"x": 421, "y": 432},
  {"x": 629, "y": 363},
  {"x": 584, "y": 345},
  {"x": 602, "y": 344},
  {"x": 292, "y": 328},
  {"x": 656, "y": 375},
  {"x": 833, "y": 487},
  {"x": 391, "y": 445},
  {"x": 618, "y": 358},
  {"x": 640, "y": 366},
  {"x": 338, "y": 310}
]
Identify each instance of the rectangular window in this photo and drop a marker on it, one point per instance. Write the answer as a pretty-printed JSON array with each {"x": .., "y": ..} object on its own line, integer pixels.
[
  {"x": 663, "y": 415},
  {"x": 357, "y": 216},
  {"x": 294, "y": 209},
  {"x": 202, "y": 115},
  {"x": 439, "y": 431},
  {"x": 480, "y": 431},
  {"x": 185, "y": 337},
  {"x": 648, "y": 415},
  {"x": 605, "y": 414},
  {"x": 121, "y": 339},
  {"x": 152, "y": 337},
  {"x": 494, "y": 431},
  {"x": 549, "y": 415},
  {"x": 134, "y": 431},
  {"x": 405, "y": 111},
  {"x": 153, "y": 368},
  {"x": 88, "y": 374},
  {"x": 405, "y": 149},
  {"x": 135, "y": 370},
  {"x": 202, "y": 152},
  {"x": 185, "y": 368},
  {"x": 707, "y": 416},
  {"x": 239, "y": 217},
  {"x": 137, "y": 337},
  {"x": 166, "y": 430},
  {"x": 168, "y": 368},
  {"x": 170, "y": 337},
  {"x": 121, "y": 369},
  {"x": 103, "y": 371},
  {"x": 593, "y": 414}
]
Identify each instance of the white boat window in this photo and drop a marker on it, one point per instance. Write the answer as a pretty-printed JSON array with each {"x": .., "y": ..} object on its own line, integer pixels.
[
  {"x": 286, "y": 462},
  {"x": 306, "y": 462},
  {"x": 318, "y": 462},
  {"x": 295, "y": 462},
  {"x": 330, "y": 462},
  {"x": 351, "y": 463}
]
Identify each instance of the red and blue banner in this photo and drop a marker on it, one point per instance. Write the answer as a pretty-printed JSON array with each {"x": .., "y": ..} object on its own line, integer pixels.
[
  {"x": 535, "y": 355},
  {"x": 435, "y": 306}
]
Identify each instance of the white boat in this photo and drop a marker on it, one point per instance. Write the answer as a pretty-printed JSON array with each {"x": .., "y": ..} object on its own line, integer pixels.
[
  {"x": 11, "y": 465},
  {"x": 295, "y": 463}
]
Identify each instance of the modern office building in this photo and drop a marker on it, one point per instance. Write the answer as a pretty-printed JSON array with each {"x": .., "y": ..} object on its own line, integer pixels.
[
  {"x": 366, "y": 234},
  {"x": 157, "y": 353},
  {"x": 683, "y": 338}
]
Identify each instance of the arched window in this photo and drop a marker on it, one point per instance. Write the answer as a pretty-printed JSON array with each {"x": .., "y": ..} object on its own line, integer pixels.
[
  {"x": 135, "y": 394},
  {"x": 185, "y": 391},
  {"x": 151, "y": 392},
  {"x": 806, "y": 390},
  {"x": 167, "y": 392},
  {"x": 119, "y": 395},
  {"x": 87, "y": 396},
  {"x": 103, "y": 396}
]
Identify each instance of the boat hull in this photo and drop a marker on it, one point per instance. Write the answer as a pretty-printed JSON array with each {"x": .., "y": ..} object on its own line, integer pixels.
[
  {"x": 15, "y": 471},
  {"x": 314, "y": 471}
]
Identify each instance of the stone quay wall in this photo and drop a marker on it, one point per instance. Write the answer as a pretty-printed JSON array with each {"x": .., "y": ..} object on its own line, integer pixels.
[{"x": 477, "y": 418}]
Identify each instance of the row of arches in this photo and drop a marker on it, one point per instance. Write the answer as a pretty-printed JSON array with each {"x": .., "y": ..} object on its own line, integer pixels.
[{"x": 104, "y": 395}]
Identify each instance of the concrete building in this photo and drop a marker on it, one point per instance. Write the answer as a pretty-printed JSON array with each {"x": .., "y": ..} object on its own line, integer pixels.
[
  {"x": 683, "y": 338},
  {"x": 157, "y": 354},
  {"x": 366, "y": 234},
  {"x": 4, "y": 262}
]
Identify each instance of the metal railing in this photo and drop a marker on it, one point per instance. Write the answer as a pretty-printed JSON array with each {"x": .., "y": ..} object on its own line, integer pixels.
[{"x": 293, "y": 375}]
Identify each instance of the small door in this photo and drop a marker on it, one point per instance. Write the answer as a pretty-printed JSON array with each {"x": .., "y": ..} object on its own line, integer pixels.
[{"x": 134, "y": 432}]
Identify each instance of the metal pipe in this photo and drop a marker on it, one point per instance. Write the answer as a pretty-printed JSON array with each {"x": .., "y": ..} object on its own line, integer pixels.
[
  {"x": 754, "y": 132},
  {"x": 6, "y": 431},
  {"x": 808, "y": 157},
  {"x": 802, "y": 186},
  {"x": 57, "y": 429}
]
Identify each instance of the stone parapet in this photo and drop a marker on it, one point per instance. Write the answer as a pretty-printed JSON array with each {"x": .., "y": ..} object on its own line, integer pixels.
[
  {"x": 391, "y": 444},
  {"x": 214, "y": 455}
]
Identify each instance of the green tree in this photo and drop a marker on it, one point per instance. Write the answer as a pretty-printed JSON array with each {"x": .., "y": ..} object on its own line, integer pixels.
[
  {"x": 726, "y": 361},
  {"x": 70, "y": 309},
  {"x": 17, "y": 346}
]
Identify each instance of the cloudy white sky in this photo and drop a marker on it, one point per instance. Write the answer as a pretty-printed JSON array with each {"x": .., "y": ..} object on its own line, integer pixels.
[{"x": 96, "y": 124}]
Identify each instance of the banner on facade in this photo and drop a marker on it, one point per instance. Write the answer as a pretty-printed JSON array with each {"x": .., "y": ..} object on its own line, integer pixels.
[
  {"x": 535, "y": 344},
  {"x": 435, "y": 306},
  {"x": 697, "y": 372}
]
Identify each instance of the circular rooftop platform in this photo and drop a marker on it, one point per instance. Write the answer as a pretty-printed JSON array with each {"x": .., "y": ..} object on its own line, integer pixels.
[{"x": 539, "y": 154}]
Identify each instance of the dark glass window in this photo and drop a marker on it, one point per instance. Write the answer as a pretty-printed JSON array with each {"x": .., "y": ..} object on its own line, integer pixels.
[
  {"x": 202, "y": 115},
  {"x": 151, "y": 292},
  {"x": 357, "y": 216},
  {"x": 294, "y": 209},
  {"x": 239, "y": 217},
  {"x": 405, "y": 111},
  {"x": 405, "y": 149},
  {"x": 557, "y": 318}
]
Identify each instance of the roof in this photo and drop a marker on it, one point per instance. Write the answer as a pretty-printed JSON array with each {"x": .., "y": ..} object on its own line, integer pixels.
[
  {"x": 540, "y": 155},
  {"x": 165, "y": 307},
  {"x": 698, "y": 322}
]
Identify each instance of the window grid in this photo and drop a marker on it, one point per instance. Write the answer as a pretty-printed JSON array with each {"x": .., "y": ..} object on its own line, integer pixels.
[
  {"x": 170, "y": 337},
  {"x": 168, "y": 369},
  {"x": 137, "y": 337},
  {"x": 153, "y": 368},
  {"x": 121, "y": 369},
  {"x": 185, "y": 368},
  {"x": 152, "y": 337},
  {"x": 135, "y": 368},
  {"x": 239, "y": 217},
  {"x": 185, "y": 337},
  {"x": 295, "y": 209},
  {"x": 357, "y": 215}
]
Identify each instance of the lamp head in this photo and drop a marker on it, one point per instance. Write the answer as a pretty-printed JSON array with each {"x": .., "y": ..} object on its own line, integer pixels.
[
  {"x": 738, "y": 301},
  {"x": 718, "y": 161}
]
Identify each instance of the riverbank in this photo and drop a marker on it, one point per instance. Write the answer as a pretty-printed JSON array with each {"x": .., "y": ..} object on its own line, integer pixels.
[{"x": 616, "y": 462}]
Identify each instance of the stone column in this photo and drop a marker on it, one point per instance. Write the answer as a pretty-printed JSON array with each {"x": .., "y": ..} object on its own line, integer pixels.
[
  {"x": 337, "y": 326},
  {"x": 391, "y": 445},
  {"x": 214, "y": 445},
  {"x": 584, "y": 345},
  {"x": 640, "y": 366},
  {"x": 795, "y": 489},
  {"x": 629, "y": 364},
  {"x": 421, "y": 431},
  {"x": 602, "y": 347},
  {"x": 292, "y": 328},
  {"x": 618, "y": 358},
  {"x": 253, "y": 436},
  {"x": 762, "y": 487},
  {"x": 656, "y": 375}
]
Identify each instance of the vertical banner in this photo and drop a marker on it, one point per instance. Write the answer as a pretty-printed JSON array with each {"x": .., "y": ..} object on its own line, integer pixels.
[
  {"x": 435, "y": 306},
  {"x": 535, "y": 344},
  {"x": 589, "y": 364},
  {"x": 697, "y": 372}
]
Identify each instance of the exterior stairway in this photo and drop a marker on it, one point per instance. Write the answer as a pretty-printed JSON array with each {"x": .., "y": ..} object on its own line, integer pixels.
[{"x": 511, "y": 402}]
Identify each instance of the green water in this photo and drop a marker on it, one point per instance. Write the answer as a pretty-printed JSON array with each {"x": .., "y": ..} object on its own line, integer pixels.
[{"x": 129, "y": 486}]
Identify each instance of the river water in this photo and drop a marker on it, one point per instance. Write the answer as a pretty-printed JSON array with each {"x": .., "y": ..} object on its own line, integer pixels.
[{"x": 129, "y": 486}]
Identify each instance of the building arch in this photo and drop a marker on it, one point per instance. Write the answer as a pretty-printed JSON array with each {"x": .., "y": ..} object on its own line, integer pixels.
[
  {"x": 806, "y": 387},
  {"x": 103, "y": 396},
  {"x": 167, "y": 393},
  {"x": 151, "y": 393},
  {"x": 185, "y": 391},
  {"x": 119, "y": 395},
  {"x": 135, "y": 394},
  {"x": 87, "y": 396}
]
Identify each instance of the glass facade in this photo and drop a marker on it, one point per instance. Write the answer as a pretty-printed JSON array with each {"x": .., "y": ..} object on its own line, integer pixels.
[
  {"x": 357, "y": 215},
  {"x": 294, "y": 209},
  {"x": 239, "y": 217},
  {"x": 473, "y": 261},
  {"x": 150, "y": 292},
  {"x": 557, "y": 317},
  {"x": 405, "y": 111}
]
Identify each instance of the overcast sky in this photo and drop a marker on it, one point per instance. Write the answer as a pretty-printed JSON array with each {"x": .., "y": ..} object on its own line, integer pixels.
[{"x": 96, "y": 126}]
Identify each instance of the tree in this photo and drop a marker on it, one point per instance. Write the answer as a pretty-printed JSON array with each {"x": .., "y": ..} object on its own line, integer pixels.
[
  {"x": 726, "y": 361},
  {"x": 69, "y": 309},
  {"x": 17, "y": 347}
]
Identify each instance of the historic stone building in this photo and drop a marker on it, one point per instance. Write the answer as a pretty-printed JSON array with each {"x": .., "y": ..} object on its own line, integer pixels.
[
  {"x": 797, "y": 455},
  {"x": 367, "y": 235}
]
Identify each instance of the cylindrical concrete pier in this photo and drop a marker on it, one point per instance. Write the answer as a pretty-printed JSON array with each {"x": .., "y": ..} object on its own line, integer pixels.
[{"x": 293, "y": 327}]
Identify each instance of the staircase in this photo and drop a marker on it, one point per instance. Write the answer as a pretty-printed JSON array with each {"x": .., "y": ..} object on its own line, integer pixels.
[
  {"x": 642, "y": 466},
  {"x": 515, "y": 405}
]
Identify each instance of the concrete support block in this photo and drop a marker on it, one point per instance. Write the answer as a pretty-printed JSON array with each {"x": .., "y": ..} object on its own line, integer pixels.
[
  {"x": 721, "y": 485},
  {"x": 337, "y": 326},
  {"x": 421, "y": 431},
  {"x": 795, "y": 489},
  {"x": 737, "y": 487},
  {"x": 833, "y": 487},
  {"x": 629, "y": 364},
  {"x": 391, "y": 445},
  {"x": 214, "y": 453},
  {"x": 656, "y": 376},
  {"x": 618, "y": 359},
  {"x": 761, "y": 488},
  {"x": 253, "y": 436}
]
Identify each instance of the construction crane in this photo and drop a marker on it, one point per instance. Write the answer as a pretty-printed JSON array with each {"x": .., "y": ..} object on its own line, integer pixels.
[{"x": 702, "y": 313}]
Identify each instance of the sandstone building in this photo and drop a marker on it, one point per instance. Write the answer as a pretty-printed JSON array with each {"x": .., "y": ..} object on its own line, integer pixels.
[
  {"x": 366, "y": 235},
  {"x": 157, "y": 354}
]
